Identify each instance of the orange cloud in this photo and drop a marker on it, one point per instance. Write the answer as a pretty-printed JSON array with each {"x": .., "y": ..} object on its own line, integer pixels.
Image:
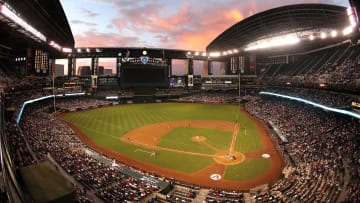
[{"x": 234, "y": 15}]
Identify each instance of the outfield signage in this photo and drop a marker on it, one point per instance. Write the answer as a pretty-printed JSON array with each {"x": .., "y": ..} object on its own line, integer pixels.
[
  {"x": 356, "y": 104},
  {"x": 341, "y": 111},
  {"x": 42, "y": 98}
]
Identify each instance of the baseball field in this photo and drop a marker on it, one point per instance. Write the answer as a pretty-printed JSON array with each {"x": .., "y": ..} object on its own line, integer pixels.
[{"x": 206, "y": 144}]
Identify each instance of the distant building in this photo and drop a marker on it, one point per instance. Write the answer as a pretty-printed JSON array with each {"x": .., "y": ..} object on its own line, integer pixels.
[
  {"x": 101, "y": 70},
  {"x": 84, "y": 71},
  {"x": 59, "y": 70},
  {"x": 107, "y": 71}
]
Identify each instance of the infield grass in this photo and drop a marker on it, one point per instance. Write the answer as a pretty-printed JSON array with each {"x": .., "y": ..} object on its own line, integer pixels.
[
  {"x": 106, "y": 126},
  {"x": 180, "y": 139}
]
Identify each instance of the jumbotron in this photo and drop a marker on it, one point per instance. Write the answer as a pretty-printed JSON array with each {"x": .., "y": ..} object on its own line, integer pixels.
[{"x": 270, "y": 112}]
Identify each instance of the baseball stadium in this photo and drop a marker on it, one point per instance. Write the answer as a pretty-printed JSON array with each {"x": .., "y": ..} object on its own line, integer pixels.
[{"x": 268, "y": 110}]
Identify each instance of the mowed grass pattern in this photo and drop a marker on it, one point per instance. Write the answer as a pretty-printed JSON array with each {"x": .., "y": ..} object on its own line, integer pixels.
[{"x": 106, "y": 126}]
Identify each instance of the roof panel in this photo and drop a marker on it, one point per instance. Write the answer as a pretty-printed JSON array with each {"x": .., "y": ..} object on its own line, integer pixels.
[{"x": 284, "y": 19}]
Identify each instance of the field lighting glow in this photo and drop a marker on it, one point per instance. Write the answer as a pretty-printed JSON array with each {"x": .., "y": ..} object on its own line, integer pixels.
[
  {"x": 214, "y": 54},
  {"x": 341, "y": 111},
  {"x": 9, "y": 14},
  {"x": 347, "y": 30},
  {"x": 66, "y": 50},
  {"x": 333, "y": 33},
  {"x": 275, "y": 42},
  {"x": 323, "y": 35}
]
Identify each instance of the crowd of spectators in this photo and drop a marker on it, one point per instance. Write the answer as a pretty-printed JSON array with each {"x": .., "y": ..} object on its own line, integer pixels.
[
  {"x": 43, "y": 134},
  {"x": 332, "y": 99},
  {"x": 105, "y": 93},
  {"x": 341, "y": 74},
  {"x": 224, "y": 196},
  {"x": 321, "y": 144},
  {"x": 72, "y": 104},
  {"x": 216, "y": 97}
]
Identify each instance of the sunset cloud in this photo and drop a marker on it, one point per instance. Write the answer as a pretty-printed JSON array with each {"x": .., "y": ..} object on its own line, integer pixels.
[{"x": 191, "y": 24}]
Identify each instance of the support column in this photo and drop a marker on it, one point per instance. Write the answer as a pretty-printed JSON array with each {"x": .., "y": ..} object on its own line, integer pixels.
[
  {"x": 210, "y": 68},
  {"x": 29, "y": 61},
  {"x": 227, "y": 65},
  {"x": 206, "y": 68},
  {"x": 70, "y": 67},
  {"x": 190, "y": 67},
  {"x": 189, "y": 70},
  {"x": 94, "y": 65},
  {"x": 74, "y": 66},
  {"x": 169, "y": 66},
  {"x": 222, "y": 68},
  {"x": 51, "y": 67},
  {"x": 118, "y": 65}
]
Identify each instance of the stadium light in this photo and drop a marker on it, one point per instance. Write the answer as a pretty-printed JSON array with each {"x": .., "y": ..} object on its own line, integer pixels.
[
  {"x": 188, "y": 53},
  {"x": 224, "y": 53},
  {"x": 79, "y": 50},
  {"x": 229, "y": 52},
  {"x": 11, "y": 15},
  {"x": 214, "y": 54},
  {"x": 348, "y": 30},
  {"x": 66, "y": 50},
  {"x": 204, "y": 54},
  {"x": 311, "y": 37},
  {"x": 144, "y": 52},
  {"x": 236, "y": 51},
  {"x": 333, "y": 33},
  {"x": 55, "y": 45},
  {"x": 323, "y": 35},
  {"x": 279, "y": 41},
  {"x": 87, "y": 50},
  {"x": 197, "y": 53},
  {"x": 352, "y": 20}
]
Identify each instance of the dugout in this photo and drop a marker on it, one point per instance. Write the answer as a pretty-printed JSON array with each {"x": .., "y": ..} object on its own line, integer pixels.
[{"x": 44, "y": 183}]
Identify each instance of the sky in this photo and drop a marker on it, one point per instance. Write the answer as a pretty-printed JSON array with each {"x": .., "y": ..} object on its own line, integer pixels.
[{"x": 175, "y": 24}]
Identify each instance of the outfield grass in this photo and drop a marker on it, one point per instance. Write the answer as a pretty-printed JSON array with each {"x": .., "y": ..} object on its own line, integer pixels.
[{"x": 106, "y": 126}]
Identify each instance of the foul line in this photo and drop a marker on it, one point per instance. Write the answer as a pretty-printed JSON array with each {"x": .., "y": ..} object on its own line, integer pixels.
[
  {"x": 170, "y": 150},
  {"x": 140, "y": 150},
  {"x": 233, "y": 141}
]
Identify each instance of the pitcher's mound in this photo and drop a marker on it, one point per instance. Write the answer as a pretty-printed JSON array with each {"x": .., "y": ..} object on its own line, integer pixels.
[
  {"x": 198, "y": 139},
  {"x": 226, "y": 158}
]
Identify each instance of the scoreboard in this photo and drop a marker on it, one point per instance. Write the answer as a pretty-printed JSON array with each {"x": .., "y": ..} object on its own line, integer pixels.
[{"x": 136, "y": 75}]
